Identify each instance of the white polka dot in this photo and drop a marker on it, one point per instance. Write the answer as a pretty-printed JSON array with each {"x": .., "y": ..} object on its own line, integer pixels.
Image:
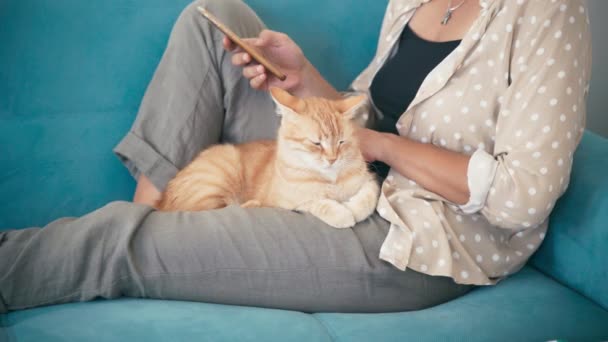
[
  {"x": 495, "y": 257},
  {"x": 547, "y": 23},
  {"x": 532, "y": 191},
  {"x": 435, "y": 243},
  {"x": 555, "y": 145},
  {"x": 447, "y": 118},
  {"x": 419, "y": 250},
  {"x": 464, "y": 110},
  {"x": 530, "y": 246},
  {"x": 489, "y": 123},
  {"x": 533, "y": 20},
  {"x": 563, "y": 7},
  {"x": 457, "y": 136},
  {"x": 441, "y": 262},
  {"x": 572, "y": 20},
  {"x": 382, "y": 211},
  {"x": 426, "y": 224},
  {"x": 540, "y": 51},
  {"x": 464, "y": 274},
  {"x": 553, "y": 102},
  {"x": 510, "y": 204},
  {"x": 519, "y": 253},
  {"x": 439, "y": 102},
  {"x": 541, "y": 236},
  {"x": 569, "y": 91},
  {"x": 479, "y": 258},
  {"x": 509, "y": 28},
  {"x": 546, "y": 129},
  {"x": 558, "y": 34},
  {"x": 561, "y": 74},
  {"x": 536, "y": 155},
  {"x": 560, "y": 162},
  {"x": 483, "y": 103},
  {"x": 542, "y": 90},
  {"x": 516, "y": 163},
  {"x": 529, "y": 145},
  {"x": 467, "y": 148},
  {"x": 424, "y": 268},
  {"x": 543, "y": 170},
  {"x": 477, "y": 238},
  {"x": 458, "y": 218},
  {"x": 550, "y": 62},
  {"x": 478, "y": 87},
  {"x": 472, "y": 128},
  {"x": 531, "y": 211},
  {"x": 534, "y": 117},
  {"x": 462, "y": 238},
  {"x": 456, "y": 255},
  {"x": 568, "y": 47}
]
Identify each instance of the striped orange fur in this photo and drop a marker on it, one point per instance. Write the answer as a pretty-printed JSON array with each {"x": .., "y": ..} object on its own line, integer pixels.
[{"x": 315, "y": 165}]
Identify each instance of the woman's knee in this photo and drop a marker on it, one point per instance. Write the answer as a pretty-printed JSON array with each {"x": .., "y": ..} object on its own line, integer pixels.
[{"x": 233, "y": 13}]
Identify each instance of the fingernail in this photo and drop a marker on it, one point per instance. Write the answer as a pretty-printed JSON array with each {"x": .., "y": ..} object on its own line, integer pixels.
[{"x": 260, "y": 68}]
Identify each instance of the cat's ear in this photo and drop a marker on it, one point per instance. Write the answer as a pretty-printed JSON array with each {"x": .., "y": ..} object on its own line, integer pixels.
[
  {"x": 287, "y": 104},
  {"x": 350, "y": 105}
]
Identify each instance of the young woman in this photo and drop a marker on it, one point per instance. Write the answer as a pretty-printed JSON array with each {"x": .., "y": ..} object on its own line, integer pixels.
[{"x": 476, "y": 107}]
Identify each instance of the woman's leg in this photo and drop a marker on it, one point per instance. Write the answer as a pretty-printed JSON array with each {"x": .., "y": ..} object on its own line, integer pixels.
[
  {"x": 260, "y": 257},
  {"x": 197, "y": 97}
]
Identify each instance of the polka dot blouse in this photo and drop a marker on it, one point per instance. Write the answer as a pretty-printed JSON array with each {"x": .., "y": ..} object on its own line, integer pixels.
[{"x": 511, "y": 95}]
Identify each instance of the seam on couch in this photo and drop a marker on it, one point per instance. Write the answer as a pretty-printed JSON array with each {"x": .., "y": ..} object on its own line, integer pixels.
[
  {"x": 566, "y": 286},
  {"x": 330, "y": 332}
]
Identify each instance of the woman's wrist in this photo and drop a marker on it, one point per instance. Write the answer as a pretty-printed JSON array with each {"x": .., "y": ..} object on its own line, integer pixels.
[{"x": 312, "y": 83}]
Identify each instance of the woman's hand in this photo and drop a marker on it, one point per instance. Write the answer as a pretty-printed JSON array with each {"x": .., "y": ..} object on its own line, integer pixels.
[
  {"x": 371, "y": 144},
  {"x": 279, "y": 49}
]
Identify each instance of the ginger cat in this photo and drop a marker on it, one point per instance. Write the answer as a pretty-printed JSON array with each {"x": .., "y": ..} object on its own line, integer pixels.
[{"x": 314, "y": 166}]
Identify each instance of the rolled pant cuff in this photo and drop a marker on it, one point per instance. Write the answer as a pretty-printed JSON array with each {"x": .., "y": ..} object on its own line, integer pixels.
[{"x": 140, "y": 157}]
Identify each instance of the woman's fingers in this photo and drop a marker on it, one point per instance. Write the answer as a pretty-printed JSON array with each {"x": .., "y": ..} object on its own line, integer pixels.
[
  {"x": 258, "y": 81},
  {"x": 228, "y": 44},
  {"x": 252, "y": 71},
  {"x": 241, "y": 58}
]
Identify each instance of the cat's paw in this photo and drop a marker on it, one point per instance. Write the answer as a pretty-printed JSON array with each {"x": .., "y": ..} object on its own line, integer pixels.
[
  {"x": 251, "y": 204},
  {"x": 335, "y": 214},
  {"x": 361, "y": 211}
]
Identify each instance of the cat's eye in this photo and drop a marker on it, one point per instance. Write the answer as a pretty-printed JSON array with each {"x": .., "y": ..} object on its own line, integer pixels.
[
  {"x": 316, "y": 143},
  {"x": 341, "y": 142}
]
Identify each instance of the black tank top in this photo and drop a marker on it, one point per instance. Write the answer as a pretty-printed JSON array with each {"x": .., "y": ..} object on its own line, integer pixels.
[{"x": 397, "y": 82}]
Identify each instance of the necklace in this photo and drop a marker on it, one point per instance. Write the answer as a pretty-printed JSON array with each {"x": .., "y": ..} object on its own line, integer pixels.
[{"x": 449, "y": 11}]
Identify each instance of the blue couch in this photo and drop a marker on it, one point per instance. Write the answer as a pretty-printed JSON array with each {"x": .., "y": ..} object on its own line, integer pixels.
[{"x": 72, "y": 73}]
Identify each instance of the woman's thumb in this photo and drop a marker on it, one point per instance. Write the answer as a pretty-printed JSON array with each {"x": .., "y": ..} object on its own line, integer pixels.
[{"x": 265, "y": 38}]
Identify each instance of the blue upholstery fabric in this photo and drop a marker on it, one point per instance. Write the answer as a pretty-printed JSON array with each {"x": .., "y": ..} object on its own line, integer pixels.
[
  {"x": 575, "y": 251},
  {"x": 157, "y": 320},
  {"x": 72, "y": 74},
  {"x": 526, "y": 307}
]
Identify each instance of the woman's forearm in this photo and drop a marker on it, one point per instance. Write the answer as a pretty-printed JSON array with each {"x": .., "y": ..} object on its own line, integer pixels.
[
  {"x": 312, "y": 83},
  {"x": 436, "y": 169}
]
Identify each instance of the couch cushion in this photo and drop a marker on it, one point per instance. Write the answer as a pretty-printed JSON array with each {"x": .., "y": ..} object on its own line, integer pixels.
[
  {"x": 157, "y": 320},
  {"x": 527, "y": 307},
  {"x": 575, "y": 251}
]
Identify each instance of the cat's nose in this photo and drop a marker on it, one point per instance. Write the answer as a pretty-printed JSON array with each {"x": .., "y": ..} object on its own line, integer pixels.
[{"x": 331, "y": 160}]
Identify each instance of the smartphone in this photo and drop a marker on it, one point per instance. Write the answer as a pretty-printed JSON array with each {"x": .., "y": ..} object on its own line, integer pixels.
[{"x": 238, "y": 41}]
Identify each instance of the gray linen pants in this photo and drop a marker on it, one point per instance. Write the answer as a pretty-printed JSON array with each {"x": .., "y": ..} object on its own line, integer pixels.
[{"x": 260, "y": 257}]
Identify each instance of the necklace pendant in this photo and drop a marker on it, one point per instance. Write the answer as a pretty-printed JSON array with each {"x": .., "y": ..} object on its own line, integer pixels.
[{"x": 446, "y": 17}]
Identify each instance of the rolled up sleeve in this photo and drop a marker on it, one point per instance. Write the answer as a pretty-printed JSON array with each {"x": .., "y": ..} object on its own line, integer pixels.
[{"x": 541, "y": 120}]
